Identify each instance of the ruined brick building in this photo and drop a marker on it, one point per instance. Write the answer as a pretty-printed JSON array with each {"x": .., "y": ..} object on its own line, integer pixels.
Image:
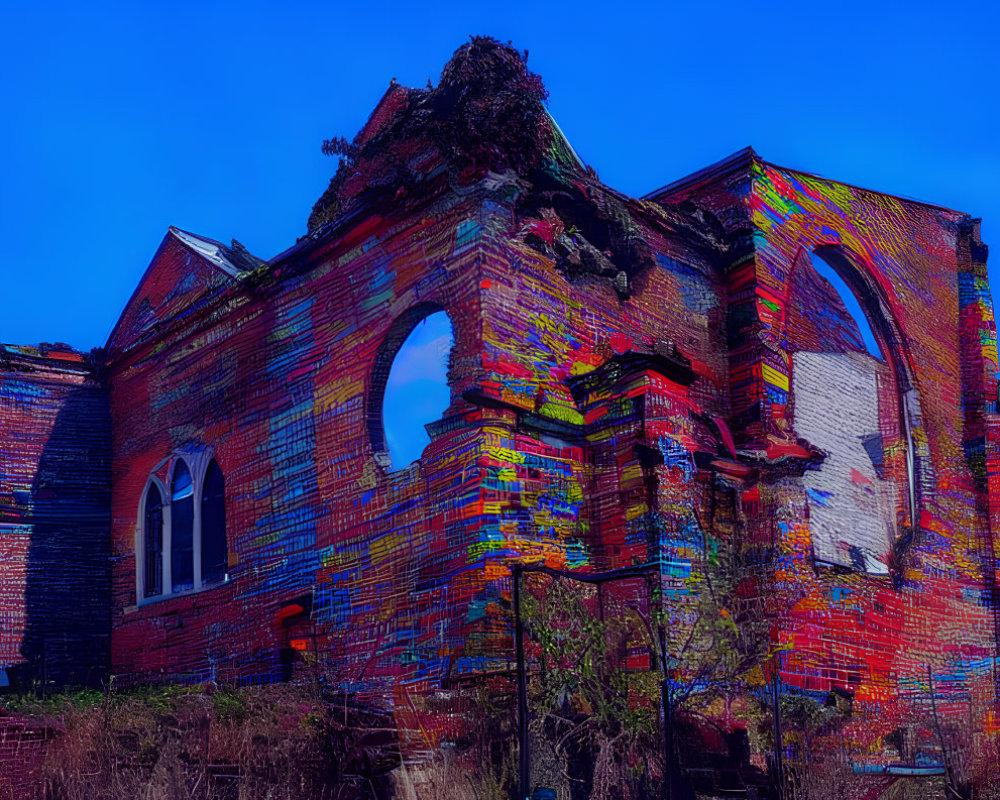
[{"x": 209, "y": 496}]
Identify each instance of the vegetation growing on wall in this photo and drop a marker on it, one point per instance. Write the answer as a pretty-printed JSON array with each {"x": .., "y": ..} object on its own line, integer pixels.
[{"x": 487, "y": 117}]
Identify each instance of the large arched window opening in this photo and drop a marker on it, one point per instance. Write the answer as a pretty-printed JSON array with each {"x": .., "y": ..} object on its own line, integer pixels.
[
  {"x": 153, "y": 542},
  {"x": 851, "y": 398},
  {"x": 851, "y": 304},
  {"x": 410, "y": 385},
  {"x": 213, "y": 526},
  {"x": 181, "y": 528}
]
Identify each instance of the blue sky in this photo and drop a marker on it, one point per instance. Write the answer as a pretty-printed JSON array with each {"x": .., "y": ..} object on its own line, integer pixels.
[
  {"x": 850, "y": 302},
  {"x": 416, "y": 391},
  {"x": 122, "y": 119}
]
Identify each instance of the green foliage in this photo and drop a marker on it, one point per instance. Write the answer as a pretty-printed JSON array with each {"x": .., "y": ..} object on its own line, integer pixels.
[
  {"x": 230, "y": 705},
  {"x": 586, "y": 703},
  {"x": 486, "y": 114},
  {"x": 595, "y": 663},
  {"x": 32, "y": 704}
]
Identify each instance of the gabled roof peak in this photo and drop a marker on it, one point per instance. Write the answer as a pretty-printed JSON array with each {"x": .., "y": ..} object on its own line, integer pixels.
[
  {"x": 231, "y": 260},
  {"x": 742, "y": 159},
  {"x": 739, "y": 159}
]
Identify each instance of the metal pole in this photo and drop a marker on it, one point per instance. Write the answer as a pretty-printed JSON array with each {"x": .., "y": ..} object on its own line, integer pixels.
[
  {"x": 778, "y": 758},
  {"x": 937, "y": 726},
  {"x": 522, "y": 686},
  {"x": 517, "y": 569},
  {"x": 668, "y": 721}
]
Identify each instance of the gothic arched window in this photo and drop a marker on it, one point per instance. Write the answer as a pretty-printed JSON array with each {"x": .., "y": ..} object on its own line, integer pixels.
[
  {"x": 153, "y": 542},
  {"x": 213, "y": 525},
  {"x": 849, "y": 400},
  {"x": 181, "y": 528},
  {"x": 181, "y": 544}
]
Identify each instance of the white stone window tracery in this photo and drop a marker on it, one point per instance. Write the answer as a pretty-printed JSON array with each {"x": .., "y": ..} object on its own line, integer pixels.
[{"x": 181, "y": 544}]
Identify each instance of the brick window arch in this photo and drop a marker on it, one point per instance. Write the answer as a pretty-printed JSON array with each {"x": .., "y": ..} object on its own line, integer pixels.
[
  {"x": 852, "y": 397},
  {"x": 408, "y": 385}
]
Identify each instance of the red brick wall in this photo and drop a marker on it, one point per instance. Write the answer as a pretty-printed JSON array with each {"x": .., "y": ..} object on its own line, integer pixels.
[{"x": 54, "y": 489}]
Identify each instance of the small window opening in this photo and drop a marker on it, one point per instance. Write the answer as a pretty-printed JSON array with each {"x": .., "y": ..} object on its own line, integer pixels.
[
  {"x": 851, "y": 303},
  {"x": 416, "y": 391},
  {"x": 153, "y": 545},
  {"x": 213, "y": 526},
  {"x": 182, "y": 529}
]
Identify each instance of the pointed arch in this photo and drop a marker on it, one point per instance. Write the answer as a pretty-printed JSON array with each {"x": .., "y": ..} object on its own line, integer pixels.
[
  {"x": 150, "y": 549},
  {"x": 854, "y": 400},
  {"x": 875, "y": 300},
  {"x": 182, "y": 510},
  {"x": 214, "y": 551},
  {"x": 181, "y": 543}
]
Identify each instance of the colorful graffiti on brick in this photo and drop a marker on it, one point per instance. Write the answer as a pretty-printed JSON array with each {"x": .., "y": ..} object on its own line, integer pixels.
[
  {"x": 632, "y": 382},
  {"x": 54, "y": 517}
]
